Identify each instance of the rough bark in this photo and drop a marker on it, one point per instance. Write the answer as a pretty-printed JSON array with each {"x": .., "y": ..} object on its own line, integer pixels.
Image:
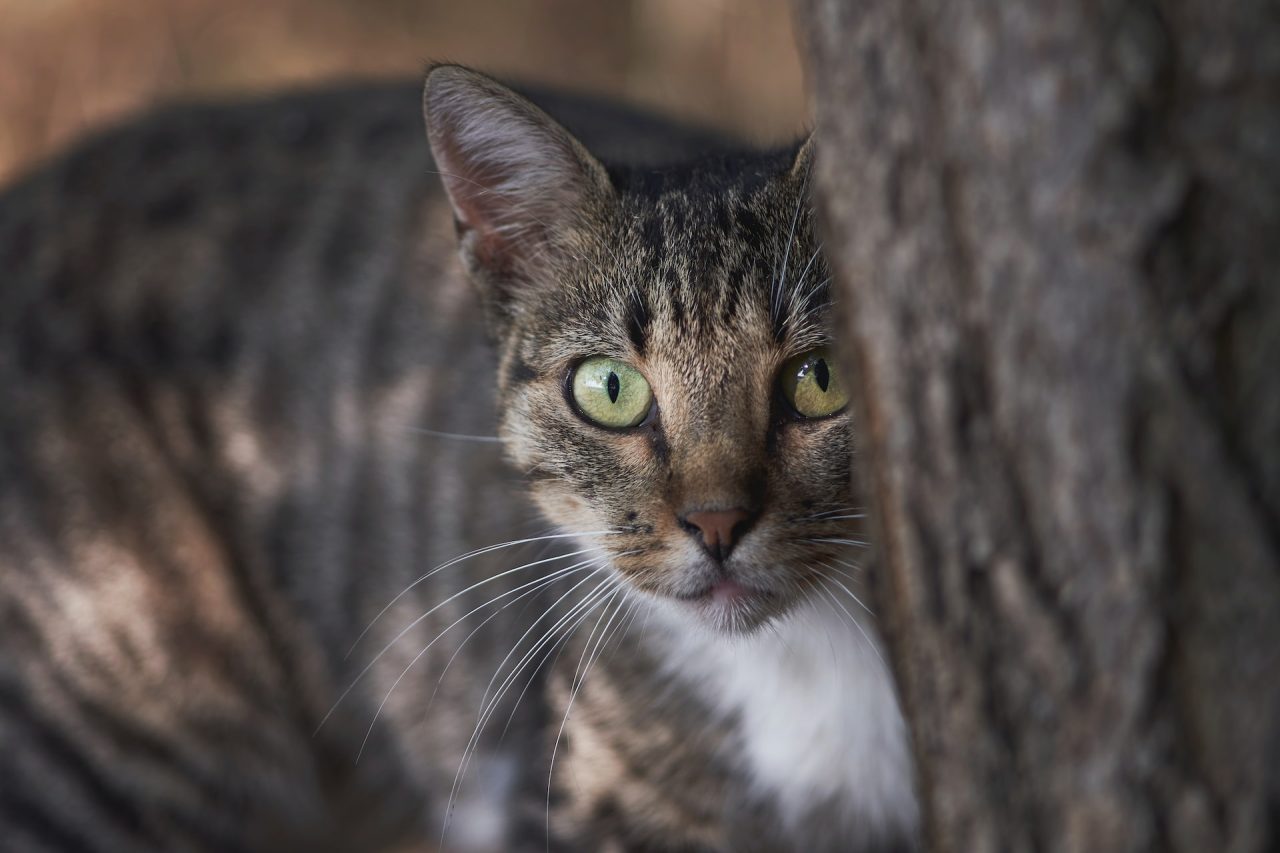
[{"x": 1056, "y": 227}]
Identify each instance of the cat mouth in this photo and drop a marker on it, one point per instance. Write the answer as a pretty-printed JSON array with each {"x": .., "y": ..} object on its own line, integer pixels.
[
  {"x": 731, "y": 605},
  {"x": 725, "y": 590}
]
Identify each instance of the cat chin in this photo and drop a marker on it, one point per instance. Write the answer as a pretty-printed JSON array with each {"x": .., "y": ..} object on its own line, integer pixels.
[
  {"x": 736, "y": 622},
  {"x": 700, "y": 595},
  {"x": 729, "y": 607}
]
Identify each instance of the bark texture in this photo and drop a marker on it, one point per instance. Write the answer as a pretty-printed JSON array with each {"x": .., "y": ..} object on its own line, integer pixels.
[{"x": 1056, "y": 227}]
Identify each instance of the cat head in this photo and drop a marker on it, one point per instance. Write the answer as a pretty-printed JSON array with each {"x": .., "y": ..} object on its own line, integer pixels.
[{"x": 665, "y": 374}]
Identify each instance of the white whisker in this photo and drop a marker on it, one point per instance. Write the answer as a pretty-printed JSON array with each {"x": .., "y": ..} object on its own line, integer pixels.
[
  {"x": 581, "y": 610},
  {"x": 488, "y": 705},
  {"x": 855, "y": 566},
  {"x": 540, "y": 585},
  {"x": 457, "y": 436},
  {"x": 836, "y": 540},
  {"x": 573, "y": 695},
  {"x": 540, "y": 581},
  {"x": 454, "y": 561},
  {"x": 817, "y": 516},
  {"x": 414, "y": 623},
  {"x": 776, "y": 301},
  {"x": 870, "y": 643},
  {"x": 807, "y": 267},
  {"x": 846, "y": 589},
  {"x": 633, "y": 613},
  {"x": 560, "y": 643}
]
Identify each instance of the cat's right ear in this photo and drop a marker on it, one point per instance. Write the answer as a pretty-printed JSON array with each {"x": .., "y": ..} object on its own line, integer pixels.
[{"x": 519, "y": 183}]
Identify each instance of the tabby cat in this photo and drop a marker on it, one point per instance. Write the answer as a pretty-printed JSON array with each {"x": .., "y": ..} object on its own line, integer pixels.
[{"x": 265, "y": 581}]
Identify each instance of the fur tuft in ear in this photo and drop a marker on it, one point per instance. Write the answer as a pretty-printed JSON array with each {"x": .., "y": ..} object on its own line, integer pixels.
[
  {"x": 802, "y": 166},
  {"x": 519, "y": 183}
]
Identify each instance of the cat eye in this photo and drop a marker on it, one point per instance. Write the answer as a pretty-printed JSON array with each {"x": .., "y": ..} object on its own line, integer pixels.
[
  {"x": 610, "y": 393},
  {"x": 812, "y": 384}
]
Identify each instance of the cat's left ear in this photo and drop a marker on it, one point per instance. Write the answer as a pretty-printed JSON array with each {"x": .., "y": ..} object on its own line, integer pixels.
[{"x": 519, "y": 183}]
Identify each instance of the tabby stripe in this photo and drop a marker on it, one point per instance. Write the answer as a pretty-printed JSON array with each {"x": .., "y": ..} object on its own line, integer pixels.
[
  {"x": 347, "y": 244},
  {"x": 736, "y": 283},
  {"x": 751, "y": 229},
  {"x": 521, "y": 373},
  {"x": 672, "y": 286},
  {"x": 232, "y": 661},
  {"x": 165, "y": 772},
  {"x": 143, "y": 747},
  {"x": 653, "y": 236},
  {"x": 638, "y": 320},
  {"x": 249, "y": 590},
  {"x": 780, "y": 321},
  {"x": 21, "y": 812},
  {"x": 77, "y": 768}
]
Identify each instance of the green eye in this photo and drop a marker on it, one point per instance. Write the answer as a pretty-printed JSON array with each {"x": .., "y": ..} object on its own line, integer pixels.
[
  {"x": 812, "y": 384},
  {"x": 610, "y": 393}
]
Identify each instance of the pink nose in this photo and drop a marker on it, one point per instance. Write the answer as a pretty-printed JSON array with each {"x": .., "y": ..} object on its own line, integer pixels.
[{"x": 720, "y": 529}]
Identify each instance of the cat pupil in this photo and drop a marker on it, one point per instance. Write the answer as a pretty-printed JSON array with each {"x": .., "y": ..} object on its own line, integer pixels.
[
  {"x": 822, "y": 373},
  {"x": 614, "y": 387}
]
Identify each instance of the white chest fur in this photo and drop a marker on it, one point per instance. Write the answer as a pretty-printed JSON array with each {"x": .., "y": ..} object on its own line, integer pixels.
[{"x": 816, "y": 710}]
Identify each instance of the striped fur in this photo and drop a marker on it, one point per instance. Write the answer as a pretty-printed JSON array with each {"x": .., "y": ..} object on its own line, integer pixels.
[{"x": 234, "y": 343}]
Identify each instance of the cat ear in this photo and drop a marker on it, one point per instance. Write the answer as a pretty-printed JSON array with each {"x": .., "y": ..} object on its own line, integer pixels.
[{"x": 519, "y": 183}]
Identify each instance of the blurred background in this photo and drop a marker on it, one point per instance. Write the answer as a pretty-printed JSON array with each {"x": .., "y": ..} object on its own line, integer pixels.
[{"x": 67, "y": 66}]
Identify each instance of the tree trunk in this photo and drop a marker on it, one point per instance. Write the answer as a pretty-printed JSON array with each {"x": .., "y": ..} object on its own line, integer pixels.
[{"x": 1056, "y": 230}]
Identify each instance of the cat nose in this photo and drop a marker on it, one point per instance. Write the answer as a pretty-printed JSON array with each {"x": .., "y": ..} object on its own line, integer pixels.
[{"x": 720, "y": 529}]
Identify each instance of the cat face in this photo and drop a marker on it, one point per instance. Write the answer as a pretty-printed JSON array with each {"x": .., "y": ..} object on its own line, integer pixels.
[{"x": 665, "y": 376}]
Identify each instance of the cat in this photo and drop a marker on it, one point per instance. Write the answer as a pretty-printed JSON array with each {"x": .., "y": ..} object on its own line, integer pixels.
[{"x": 266, "y": 581}]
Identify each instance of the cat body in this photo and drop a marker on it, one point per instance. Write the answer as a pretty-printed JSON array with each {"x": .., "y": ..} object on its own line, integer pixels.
[{"x": 245, "y": 389}]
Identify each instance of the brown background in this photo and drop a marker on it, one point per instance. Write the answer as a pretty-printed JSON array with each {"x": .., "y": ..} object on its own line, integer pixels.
[{"x": 70, "y": 65}]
